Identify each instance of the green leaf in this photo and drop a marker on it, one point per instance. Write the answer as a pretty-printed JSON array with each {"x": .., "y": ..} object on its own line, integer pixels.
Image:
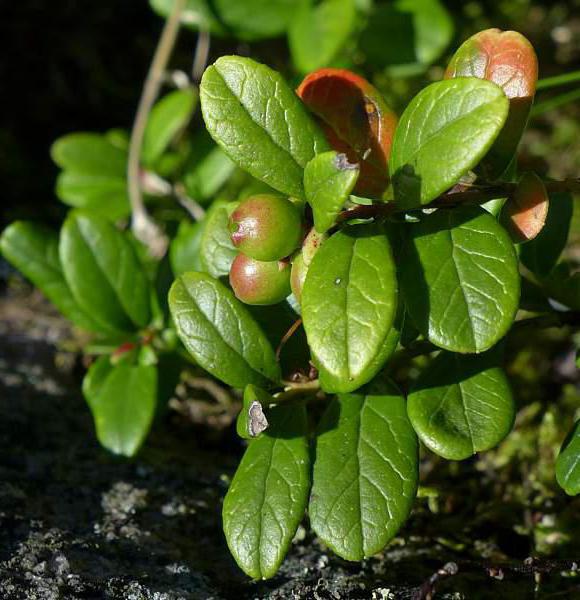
[
  {"x": 89, "y": 154},
  {"x": 220, "y": 333},
  {"x": 268, "y": 494},
  {"x": 365, "y": 473},
  {"x": 349, "y": 301},
  {"x": 122, "y": 399},
  {"x": 217, "y": 250},
  {"x": 94, "y": 173},
  {"x": 208, "y": 169},
  {"x": 102, "y": 194},
  {"x": 318, "y": 32},
  {"x": 169, "y": 116},
  {"x": 328, "y": 181},
  {"x": 460, "y": 279},
  {"x": 461, "y": 405},
  {"x": 563, "y": 284},
  {"x": 542, "y": 253},
  {"x": 197, "y": 14},
  {"x": 252, "y": 20},
  {"x": 443, "y": 133},
  {"x": 103, "y": 272},
  {"x": 568, "y": 462},
  {"x": 252, "y": 421},
  {"x": 258, "y": 120},
  {"x": 406, "y": 35},
  {"x": 184, "y": 251},
  {"x": 33, "y": 250}
]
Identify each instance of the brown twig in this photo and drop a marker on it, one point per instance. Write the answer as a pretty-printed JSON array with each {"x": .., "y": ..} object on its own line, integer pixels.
[
  {"x": 475, "y": 195},
  {"x": 287, "y": 336}
]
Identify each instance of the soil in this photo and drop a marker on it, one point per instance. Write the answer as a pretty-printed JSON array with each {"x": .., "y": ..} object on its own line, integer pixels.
[{"x": 75, "y": 522}]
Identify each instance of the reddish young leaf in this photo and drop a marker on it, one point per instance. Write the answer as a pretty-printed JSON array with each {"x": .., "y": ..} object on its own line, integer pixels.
[
  {"x": 356, "y": 120},
  {"x": 508, "y": 59},
  {"x": 525, "y": 213}
]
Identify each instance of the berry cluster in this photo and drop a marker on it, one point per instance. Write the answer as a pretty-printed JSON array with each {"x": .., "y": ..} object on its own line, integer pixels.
[{"x": 268, "y": 230}]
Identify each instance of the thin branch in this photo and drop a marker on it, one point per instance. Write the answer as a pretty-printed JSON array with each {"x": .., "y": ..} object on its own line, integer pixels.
[
  {"x": 560, "y": 319},
  {"x": 201, "y": 55},
  {"x": 474, "y": 195},
  {"x": 144, "y": 228},
  {"x": 196, "y": 211},
  {"x": 287, "y": 336}
]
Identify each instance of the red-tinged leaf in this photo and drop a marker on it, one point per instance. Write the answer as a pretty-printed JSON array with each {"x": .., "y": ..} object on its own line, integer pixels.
[
  {"x": 524, "y": 214},
  {"x": 508, "y": 59},
  {"x": 357, "y": 121}
]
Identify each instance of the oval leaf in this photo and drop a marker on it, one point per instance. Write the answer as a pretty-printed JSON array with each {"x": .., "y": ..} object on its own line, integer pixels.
[
  {"x": 365, "y": 472},
  {"x": 508, "y": 59},
  {"x": 122, "y": 399},
  {"x": 220, "y": 333},
  {"x": 542, "y": 253},
  {"x": 268, "y": 495},
  {"x": 358, "y": 122},
  {"x": 349, "y": 301},
  {"x": 319, "y": 31},
  {"x": 563, "y": 284},
  {"x": 328, "y": 181},
  {"x": 406, "y": 36},
  {"x": 525, "y": 212},
  {"x": 33, "y": 250},
  {"x": 444, "y": 132},
  {"x": 461, "y": 405},
  {"x": 460, "y": 279},
  {"x": 168, "y": 117},
  {"x": 216, "y": 249},
  {"x": 103, "y": 272},
  {"x": 568, "y": 463},
  {"x": 184, "y": 251},
  {"x": 257, "y": 119}
]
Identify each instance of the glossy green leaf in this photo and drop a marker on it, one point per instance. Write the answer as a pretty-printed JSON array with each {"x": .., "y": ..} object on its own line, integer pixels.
[
  {"x": 168, "y": 117},
  {"x": 460, "y": 279},
  {"x": 268, "y": 495},
  {"x": 444, "y": 132},
  {"x": 349, "y": 301},
  {"x": 568, "y": 463},
  {"x": 508, "y": 59},
  {"x": 104, "y": 195},
  {"x": 260, "y": 123},
  {"x": 318, "y": 32},
  {"x": 90, "y": 154},
  {"x": 33, "y": 250},
  {"x": 103, "y": 272},
  {"x": 220, "y": 333},
  {"x": 185, "y": 248},
  {"x": 94, "y": 173},
  {"x": 328, "y": 181},
  {"x": 406, "y": 35},
  {"x": 461, "y": 405},
  {"x": 365, "y": 472},
  {"x": 122, "y": 399},
  {"x": 256, "y": 19},
  {"x": 217, "y": 250},
  {"x": 252, "y": 420},
  {"x": 542, "y": 253},
  {"x": 208, "y": 169}
]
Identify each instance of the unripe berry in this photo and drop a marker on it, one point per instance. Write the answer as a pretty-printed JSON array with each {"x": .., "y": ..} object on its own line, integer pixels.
[
  {"x": 266, "y": 227},
  {"x": 260, "y": 282}
]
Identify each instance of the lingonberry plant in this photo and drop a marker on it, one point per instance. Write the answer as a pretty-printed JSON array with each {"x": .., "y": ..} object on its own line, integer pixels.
[{"x": 338, "y": 238}]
